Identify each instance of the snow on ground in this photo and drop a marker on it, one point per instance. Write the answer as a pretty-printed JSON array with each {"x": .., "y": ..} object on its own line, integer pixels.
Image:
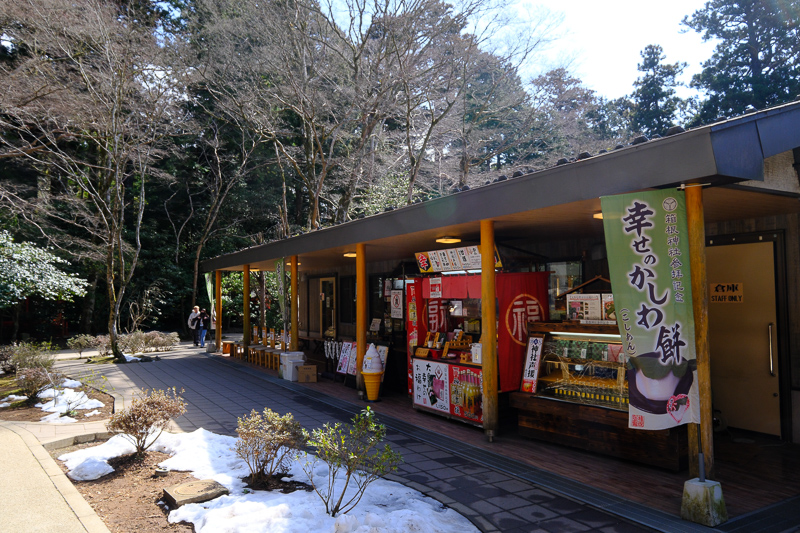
[
  {"x": 386, "y": 507},
  {"x": 62, "y": 400},
  {"x": 132, "y": 359}
]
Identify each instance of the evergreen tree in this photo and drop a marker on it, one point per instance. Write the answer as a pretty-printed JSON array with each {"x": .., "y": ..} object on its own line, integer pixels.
[
  {"x": 654, "y": 99},
  {"x": 757, "y": 60}
]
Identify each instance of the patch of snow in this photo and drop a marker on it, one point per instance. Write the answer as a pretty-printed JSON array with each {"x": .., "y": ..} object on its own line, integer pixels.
[
  {"x": 89, "y": 469},
  {"x": 132, "y": 359},
  {"x": 93, "y": 413},
  {"x": 70, "y": 383},
  {"x": 67, "y": 399},
  {"x": 56, "y": 418},
  {"x": 386, "y": 507},
  {"x": 13, "y": 398},
  {"x": 4, "y": 404}
]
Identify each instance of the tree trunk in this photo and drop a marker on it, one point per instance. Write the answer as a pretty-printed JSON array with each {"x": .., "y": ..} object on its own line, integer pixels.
[{"x": 87, "y": 312}]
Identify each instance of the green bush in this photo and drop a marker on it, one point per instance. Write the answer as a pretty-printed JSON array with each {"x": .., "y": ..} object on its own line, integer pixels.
[
  {"x": 266, "y": 442},
  {"x": 351, "y": 450},
  {"x": 147, "y": 417}
]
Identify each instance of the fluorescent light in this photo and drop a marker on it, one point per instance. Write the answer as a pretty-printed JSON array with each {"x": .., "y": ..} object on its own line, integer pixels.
[
  {"x": 448, "y": 240},
  {"x": 350, "y": 254},
  {"x": 598, "y": 215},
  {"x": 570, "y": 334}
]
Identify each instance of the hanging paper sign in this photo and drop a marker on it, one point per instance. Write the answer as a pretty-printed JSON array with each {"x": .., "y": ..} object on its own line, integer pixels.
[
  {"x": 530, "y": 373},
  {"x": 647, "y": 235},
  {"x": 473, "y": 257},
  {"x": 431, "y": 385},
  {"x": 387, "y": 288},
  {"x": 436, "y": 287},
  {"x": 396, "y": 300},
  {"x": 444, "y": 259},
  {"x": 455, "y": 260},
  {"x": 375, "y": 326},
  {"x": 436, "y": 261}
]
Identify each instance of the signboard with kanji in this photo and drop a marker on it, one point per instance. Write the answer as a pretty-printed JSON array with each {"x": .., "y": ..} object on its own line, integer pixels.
[{"x": 647, "y": 235}]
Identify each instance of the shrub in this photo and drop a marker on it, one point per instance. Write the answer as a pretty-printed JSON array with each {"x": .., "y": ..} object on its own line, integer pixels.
[
  {"x": 104, "y": 345},
  {"x": 353, "y": 451},
  {"x": 32, "y": 355},
  {"x": 83, "y": 342},
  {"x": 32, "y": 381},
  {"x": 162, "y": 342},
  {"x": 133, "y": 343},
  {"x": 6, "y": 364},
  {"x": 266, "y": 441},
  {"x": 147, "y": 417}
]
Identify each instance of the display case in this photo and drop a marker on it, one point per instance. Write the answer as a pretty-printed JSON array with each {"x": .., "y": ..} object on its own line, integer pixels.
[
  {"x": 582, "y": 364},
  {"x": 581, "y": 398}
]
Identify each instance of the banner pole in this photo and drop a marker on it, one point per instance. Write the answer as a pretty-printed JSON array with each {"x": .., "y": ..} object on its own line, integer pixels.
[{"x": 701, "y": 436}]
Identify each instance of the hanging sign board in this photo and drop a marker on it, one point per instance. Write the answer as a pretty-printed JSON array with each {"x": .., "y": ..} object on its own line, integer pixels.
[
  {"x": 647, "y": 235},
  {"x": 464, "y": 258}
]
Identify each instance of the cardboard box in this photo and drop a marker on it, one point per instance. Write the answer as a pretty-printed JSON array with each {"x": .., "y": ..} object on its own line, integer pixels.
[{"x": 307, "y": 373}]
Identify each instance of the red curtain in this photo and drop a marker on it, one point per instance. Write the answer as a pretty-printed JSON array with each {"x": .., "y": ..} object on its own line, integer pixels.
[
  {"x": 522, "y": 298},
  {"x": 454, "y": 287},
  {"x": 474, "y": 286}
]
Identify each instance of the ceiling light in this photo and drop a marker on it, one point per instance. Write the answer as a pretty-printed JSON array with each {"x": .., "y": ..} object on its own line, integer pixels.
[
  {"x": 448, "y": 240},
  {"x": 598, "y": 215},
  {"x": 350, "y": 254}
]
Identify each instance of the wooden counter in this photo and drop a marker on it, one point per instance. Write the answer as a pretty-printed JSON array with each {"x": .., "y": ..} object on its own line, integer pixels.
[{"x": 599, "y": 429}]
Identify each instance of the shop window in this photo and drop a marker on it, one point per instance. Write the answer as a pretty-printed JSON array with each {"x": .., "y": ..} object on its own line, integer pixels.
[
  {"x": 564, "y": 276},
  {"x": 347, "y": 300}
]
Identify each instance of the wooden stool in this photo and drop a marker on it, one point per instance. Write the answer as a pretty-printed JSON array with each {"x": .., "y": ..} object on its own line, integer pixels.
[
  {"x": 226, "y": 347},
  {"x": 274, "y": 360}
]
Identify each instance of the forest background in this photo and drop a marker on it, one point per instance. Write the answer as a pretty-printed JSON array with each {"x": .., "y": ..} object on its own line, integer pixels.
[{"x": 138, "y": 138}]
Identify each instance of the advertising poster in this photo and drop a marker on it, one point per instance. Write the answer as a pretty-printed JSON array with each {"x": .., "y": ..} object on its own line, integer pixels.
[
  {"x": 352, "y": 364},
  {"x": 466, "y": 393},
  {"x": 344, "y": 357},
  {"x": 431, "y": 386},
  {"x": 533, "y": 357},
  {"x": 647, "y": 235}
]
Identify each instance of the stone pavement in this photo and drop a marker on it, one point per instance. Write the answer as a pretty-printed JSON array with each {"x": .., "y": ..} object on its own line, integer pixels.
[{"x": 496, "y": 493}]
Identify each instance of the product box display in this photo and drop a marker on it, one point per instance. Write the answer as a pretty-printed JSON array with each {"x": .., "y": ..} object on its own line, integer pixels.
[{"x": 307, "y": 374}]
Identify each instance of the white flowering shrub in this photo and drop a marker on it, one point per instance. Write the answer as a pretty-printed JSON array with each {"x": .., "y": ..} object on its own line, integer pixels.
[
  {"x": 267, "y": 442},
  {"x": 148, "y": 415},
  {"x": 352, "y": 451}
]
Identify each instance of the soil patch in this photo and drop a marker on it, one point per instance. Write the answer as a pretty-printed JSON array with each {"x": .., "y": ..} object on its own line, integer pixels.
[
  {"x": 128, "y": 498},
  {"x": 23, "y": 412}
]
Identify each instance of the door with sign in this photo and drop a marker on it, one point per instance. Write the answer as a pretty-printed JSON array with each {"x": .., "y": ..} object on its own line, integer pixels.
[{"x": 743, "y": 336}]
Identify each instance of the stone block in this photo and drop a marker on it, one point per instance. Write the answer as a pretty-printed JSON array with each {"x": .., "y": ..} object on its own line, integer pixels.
[
  {"x": 703, "y": 503},
  {"x": 193, "y": 492}
]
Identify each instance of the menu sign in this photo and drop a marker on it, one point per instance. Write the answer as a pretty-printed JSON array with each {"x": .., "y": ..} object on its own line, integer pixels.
[{"x": 463, "y": 258}]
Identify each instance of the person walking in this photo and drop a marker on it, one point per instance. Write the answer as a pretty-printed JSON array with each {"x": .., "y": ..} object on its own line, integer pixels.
[
  {"x": 205, "y": 320},
  {"x": 193, "y": 324}
]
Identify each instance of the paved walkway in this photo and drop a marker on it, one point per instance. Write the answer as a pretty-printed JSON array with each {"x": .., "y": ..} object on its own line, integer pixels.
[{"x": 494, "y": 492}]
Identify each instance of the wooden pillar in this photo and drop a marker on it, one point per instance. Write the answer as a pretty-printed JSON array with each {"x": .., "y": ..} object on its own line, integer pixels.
[
  {"x": 218, "y": 297},
  {"x": 361, "y": 310},
  {"x": 488, "y": 330},
  {"x": 697, "y": 258},
  {"x": 295, "y": 307},
  {"x": 246, "y": 307}
]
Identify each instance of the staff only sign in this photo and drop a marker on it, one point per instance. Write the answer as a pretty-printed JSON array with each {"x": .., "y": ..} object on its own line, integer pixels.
[{"x": 648, "y": 250}]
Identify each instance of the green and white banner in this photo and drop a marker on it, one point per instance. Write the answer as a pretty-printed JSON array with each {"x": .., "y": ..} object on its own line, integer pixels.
[{"x": 647, "y": 242}]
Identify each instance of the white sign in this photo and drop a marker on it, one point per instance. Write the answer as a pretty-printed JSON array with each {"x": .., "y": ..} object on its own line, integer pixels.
[
  {"x": 397, "y": 303},
  {"x": 431, "y": 385},
  {"x": 436, "y": 287}
]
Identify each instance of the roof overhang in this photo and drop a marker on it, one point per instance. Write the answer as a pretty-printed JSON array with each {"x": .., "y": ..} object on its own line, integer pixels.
[{"x": 559, "y": 202}]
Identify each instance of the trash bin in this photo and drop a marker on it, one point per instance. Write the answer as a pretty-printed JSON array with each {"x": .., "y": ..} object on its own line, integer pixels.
[{"x": 289, "y": 363}]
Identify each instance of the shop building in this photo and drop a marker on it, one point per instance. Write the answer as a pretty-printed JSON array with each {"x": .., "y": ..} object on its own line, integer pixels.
[{"x": 363, "y": 282}]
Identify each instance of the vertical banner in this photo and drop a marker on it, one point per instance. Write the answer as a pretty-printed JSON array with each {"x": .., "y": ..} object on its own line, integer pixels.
[
  {"x": 280, "y": 270},
  {"x": 210, "y": 276},
  {"x": 522, "y": 297},
  {"x": 415, "y": 324},
  {"x": 647, "y": 242}
]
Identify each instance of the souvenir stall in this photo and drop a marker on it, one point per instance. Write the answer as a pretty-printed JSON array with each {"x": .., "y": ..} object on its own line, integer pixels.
[{"x": 444, "y": 331}]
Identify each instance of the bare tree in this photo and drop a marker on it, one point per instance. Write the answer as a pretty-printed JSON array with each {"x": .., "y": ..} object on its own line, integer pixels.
[{"x": 90, "y": 100}]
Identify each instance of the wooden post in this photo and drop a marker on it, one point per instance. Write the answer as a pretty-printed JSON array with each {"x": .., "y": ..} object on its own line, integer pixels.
[
  {"x": 218, "y": 296},
  {"x": 295, "y": 307},
  {"x": 246, "y": 308},
  {"x": 361, "y": 310},
  {"x": 488, "y": 330},
  {"x": 697, "y": 259}
]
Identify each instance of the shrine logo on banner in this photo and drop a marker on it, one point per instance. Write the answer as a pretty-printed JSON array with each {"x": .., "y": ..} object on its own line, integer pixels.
[
  {"x": 522, "y": 297},
  {"x": 647, "y": 242}
]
